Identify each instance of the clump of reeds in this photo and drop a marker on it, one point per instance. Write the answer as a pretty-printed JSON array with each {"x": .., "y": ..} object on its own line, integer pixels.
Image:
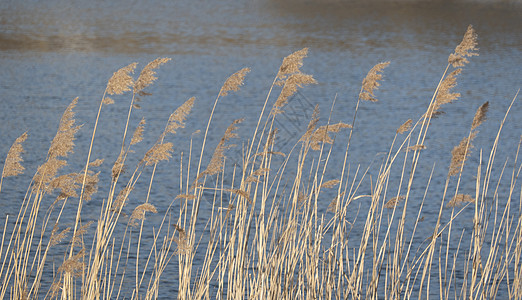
[{"x": 292, "y": 225}]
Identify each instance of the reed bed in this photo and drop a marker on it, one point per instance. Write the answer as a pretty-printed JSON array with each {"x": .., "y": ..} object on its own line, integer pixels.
[{"x": 269, "y": 233}]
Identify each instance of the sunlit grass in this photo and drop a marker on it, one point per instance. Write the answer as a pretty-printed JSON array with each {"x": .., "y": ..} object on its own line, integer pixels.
[{"x": 267, "y": 235}]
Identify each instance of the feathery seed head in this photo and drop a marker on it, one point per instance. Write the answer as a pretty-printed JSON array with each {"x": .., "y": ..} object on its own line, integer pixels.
[
  {"x": 291, "y": 64},
  {"x": 138, "y": 133},
  {"x": 120, "y": 82},
  {"x": 98, "y": 162},
  {"x": 480, "y": 115},
  {"x": 177, "y": 118},
  {"x": 271, "y": 137},
  {"x": 91, "y": 184},
  {"x": 63, "y": 142},
  {"x": 234, "y": 82},
  {"x": 186, "y": 196},
  {"x": 312, "y": 124},
  {"x": 404, "y": 127},
  {"x": 321, "y": 134},
  {"x": 393, "y": 202},
  {"x": 464, "y": 49},
  {"x": 121, "y": 199},
  {"x": 460, "y": 153},
  {"x": 333, "y": 204},
  {"x": 107, "y": 101},
  {"x": 416, "y": 147},
  {"x": 158, "y": 153},
  {"x": 181, "y": 241},
  {"x": 254, "y": 177},
  {"x": 47, "y": 172},
  {"x": 73, "y": 265},
  {"x": 147, "y": 75},
  {"x": 459, "y": 199},
  {"x": 77, "y": 239},
  {"x": 371, "y": 82},
  {"x": 57, "y": 238},
  {"x": 240, "y": 193},
  {"x": 12, "y": 165},
  {"x": 330, "y": 183},
  {"x": 67, "y": 184},
  {"x": 290, "y": 87},
  {"x": 217, "y": 161},
  {"x": 444, "y": 94},
  {"x": 139, "y": 213},
  {"x": 119, "y": 166}
]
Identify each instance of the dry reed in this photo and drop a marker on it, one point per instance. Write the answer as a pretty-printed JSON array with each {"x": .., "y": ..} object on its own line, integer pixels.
[
  {"x": 12, "y": 165},
  {"x": 147, "y": 75},
  {"x": 121, "y": 81},
  {"x": 371, "y": 82},
  {"x": 234, "y": 82},
  {"x": 268, "y": 231},
  {"x": 404, "y": 127}
]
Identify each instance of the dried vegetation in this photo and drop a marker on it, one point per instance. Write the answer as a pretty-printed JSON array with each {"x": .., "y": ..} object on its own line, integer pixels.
[{"x": 279, "y": 225}]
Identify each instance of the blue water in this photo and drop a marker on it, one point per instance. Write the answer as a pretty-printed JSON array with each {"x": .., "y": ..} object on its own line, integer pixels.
[{"x": 54, "y": 51}]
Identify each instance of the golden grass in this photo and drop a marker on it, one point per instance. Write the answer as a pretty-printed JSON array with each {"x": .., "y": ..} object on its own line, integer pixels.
[
  {"x": 371, "y": 82},
  {"x": 292, "y": 225}
]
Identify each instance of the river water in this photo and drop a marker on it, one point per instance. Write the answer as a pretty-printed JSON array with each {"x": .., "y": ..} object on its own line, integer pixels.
[{"x": 53, "y": 51}]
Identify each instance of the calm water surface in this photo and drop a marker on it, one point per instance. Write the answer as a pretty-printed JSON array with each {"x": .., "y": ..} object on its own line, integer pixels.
[{"x": 54, "y": 51}]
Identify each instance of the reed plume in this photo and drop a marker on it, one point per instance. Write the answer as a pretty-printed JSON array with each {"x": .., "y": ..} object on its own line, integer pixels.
[
  {"x": 74, "y": 265},
  {"x": 121, "y": 81},
  {"x": 158, "y": 153},
  {"x": 291, "y": 65},
  {"x": 234, "y": 82},
  {"x": 416, "y": 147},
  {"x": 91, "y": 184},
  {"x": 480, "y": 115},
  {"x": 216, "y": 162},
  {"x": 371, "y": 82},
  {"x": 294, "y": 81},
  {"x": 121, "y": 199},
  {"x": 12, "y": 165},
  {"x": 459, "y": 199},
  {"x": 241, "y": 193},
  {"x": 177, "y": 118},
  {"x": 77, "y": 239},
  {"x": 462, "y": 151},
  {"x": 261, "y": 171},
  {"x": 312, "y": 124},
  {"x": 186, "y": 196},
  {"x": 321, "y": 134},
  {"x": 63, "y": 142},
  {"x": 444, "y": 94},
  {"x": 137, "y": 136},
  {"x": 460, "y": 154},
  {"x": 57, "y": 238},
  {"x": 119, "y": 166},
  {"x": 61, "y": 145},
  {"x": 330, "y": 183},
  {"x": 139, "y": 213},
  {"x": 256, "y": 174},
  {"x": 466, "y": 48},
  {"x": 393, "y": 202},
  {"x": 290, "y": 77},
  {"x": 181, "y": 241},
  {"x": 271, "y": 137},
  {"x": 67, "y": 185},
  {"x": 147, "y": 75},
  {"x": 404, "y": 127},
  {"x": 332, "y": 207}
]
